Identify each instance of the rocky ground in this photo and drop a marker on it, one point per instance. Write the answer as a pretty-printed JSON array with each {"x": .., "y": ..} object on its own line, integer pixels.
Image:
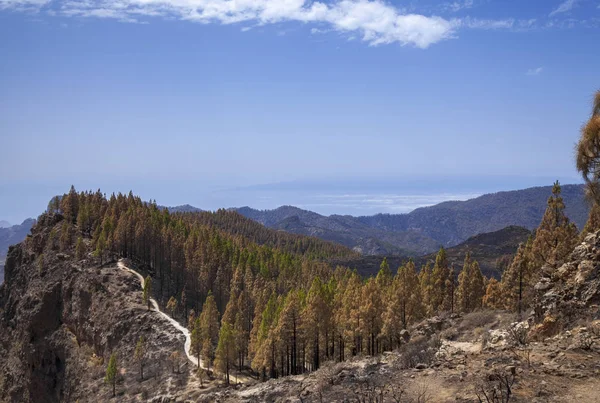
[{"x": 448, "y": 360}]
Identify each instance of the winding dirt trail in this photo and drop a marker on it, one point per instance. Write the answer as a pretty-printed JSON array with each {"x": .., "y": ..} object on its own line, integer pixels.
[{"x": 176, "y": 325}]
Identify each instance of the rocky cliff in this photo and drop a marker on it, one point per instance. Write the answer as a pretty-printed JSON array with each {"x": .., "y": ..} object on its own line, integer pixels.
[
  {"x": 571, "y": 294},
  {"x": 60, "y": 319}
]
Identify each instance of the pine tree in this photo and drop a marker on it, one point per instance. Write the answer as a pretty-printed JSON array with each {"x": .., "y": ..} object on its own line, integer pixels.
[
  {"x": 449, "y": 304},
  {"x": 242, "y": 326},
  {"x": 392, "y": 316},
  {"x": 312, "y": 320},
  {"x": 183, "y": 303},
  {"x": 351, "y": 318},
  {"x": 371, "y": 307},
  {"x": 100, "y": 247},
  {"x": 463, "y": 293},
  {"x": 191, "y": 319},
  {"x": 517, "y": 279},
  {"x": 439, "y": 276},
  {"x": 66, "y": 234},
  {"x": 172, "y": 306},
  {"x": 111, "y": 373},
  {"x": 477, "y": 286},
  {"x": 209, "y": 325},
  {"x": 69, "y": 204},
  {"x": 427, "y": 291},
  {"x": 409, "y": 289},
  {"x": 493, "y": 298},
  {"x": 201, "y": 374},
  {"x": 593, "y": 222},
  {"x": 196, "y": 339},
  {"x": 288, "y": 329},
  {"x": 54, "y": 205},
  {"x": 384, "y": 276},
  {"x": 588, "y": 152},
  {"x": 147, "y": 291},
  {"x": 556, "y": 237},
  {"x": 471, "y": 286},
  {"x": 225, "y": 354},
  {"x": 264, "y": 345},
  {"x": 79, "y": 249},
  {"x": 139, "y": 355}
]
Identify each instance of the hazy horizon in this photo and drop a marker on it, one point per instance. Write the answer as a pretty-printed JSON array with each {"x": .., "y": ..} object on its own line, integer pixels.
[{"x": 364, "y": 196}]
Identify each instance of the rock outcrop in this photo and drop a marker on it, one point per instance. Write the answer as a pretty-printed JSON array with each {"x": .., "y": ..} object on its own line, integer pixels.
[
  {"x": 60, "y": 319},
  {"x": 571, "y": 293}
]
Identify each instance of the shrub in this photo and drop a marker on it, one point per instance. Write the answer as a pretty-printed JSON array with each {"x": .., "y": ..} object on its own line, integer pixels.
[
  {"x": 586, "y": 341},
  {"x": 478, "y": 319},
  {"x": 518, "y": 334},
  {"x": 496, "y": 386},
  {"x": 420, "y": 350}
]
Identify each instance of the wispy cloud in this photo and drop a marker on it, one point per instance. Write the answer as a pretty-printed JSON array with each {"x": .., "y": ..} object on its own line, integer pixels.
[
  {"x": 476, "y": 23},
  {"x": 565, "y": 6},
  {"x": 316, "y": 31},
  {"x": 22, "y": 4},
  {"x": 535, "y": 72},
  {"x": 459, "y": 5},
  {"x": 375, "y": 21}
]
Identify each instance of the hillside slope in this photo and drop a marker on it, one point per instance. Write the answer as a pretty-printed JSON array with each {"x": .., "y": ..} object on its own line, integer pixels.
[
  {"x": 486, "y": 248},
  {"x": 60, "y": 319}
]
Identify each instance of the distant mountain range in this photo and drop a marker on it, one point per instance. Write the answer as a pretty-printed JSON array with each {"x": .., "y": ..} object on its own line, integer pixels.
[
  {"x": 4, "y": 224},
  {"x": 425, "y": 229},
  {"x": 415, "y": 234},
  {"x": 185, "y": 208},
  {"x": 11, "y": 236}
]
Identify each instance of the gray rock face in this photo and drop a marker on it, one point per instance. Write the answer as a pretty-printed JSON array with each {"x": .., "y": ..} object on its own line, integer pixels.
[
  {"x": 61, "y": 320},
  {"x": 573, "y": 290}
]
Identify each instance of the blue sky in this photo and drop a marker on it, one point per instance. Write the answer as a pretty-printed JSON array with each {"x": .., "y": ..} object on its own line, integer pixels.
[{"x": 179, "y": 99}]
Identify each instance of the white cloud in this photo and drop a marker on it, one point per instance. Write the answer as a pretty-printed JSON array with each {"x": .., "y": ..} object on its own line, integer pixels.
[
  {"x": 459, "y": 5},
  {"x": 316, "y": 31},
  {"x": 376, "y": 22},
  {"x": 22, "y": 4},
  {"x": 565, "y": 6},
  {"x": 476, "y": 23},
  {"x": 535, "y": 72}
]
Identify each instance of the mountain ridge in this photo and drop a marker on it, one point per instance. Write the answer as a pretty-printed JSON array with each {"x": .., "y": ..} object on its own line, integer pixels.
[{"x": 425, "y": 229}]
